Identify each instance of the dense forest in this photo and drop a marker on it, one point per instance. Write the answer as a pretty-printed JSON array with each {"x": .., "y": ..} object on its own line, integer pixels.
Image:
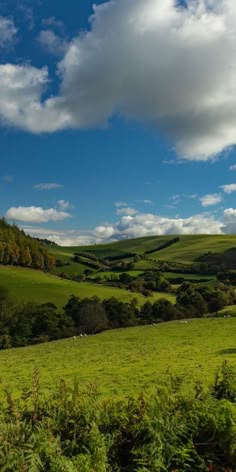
[{"x": 19, "y": 249}]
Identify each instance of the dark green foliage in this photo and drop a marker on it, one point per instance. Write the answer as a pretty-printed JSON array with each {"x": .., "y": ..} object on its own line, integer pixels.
[
  {"x": 33, "y": 323},
  {"x": 164, "y": 245},
  {"x": 16, "y": 248},
  {"x": 73, "y": 431},
  {"x": 220, "y": 261}
]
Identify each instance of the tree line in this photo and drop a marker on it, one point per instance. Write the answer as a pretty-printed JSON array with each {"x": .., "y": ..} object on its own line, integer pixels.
[
  {"x": 34, "y": 323},
  {"x": 19, "y": 249}
]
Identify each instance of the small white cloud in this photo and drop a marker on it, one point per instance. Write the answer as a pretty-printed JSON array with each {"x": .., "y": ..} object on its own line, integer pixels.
[
  {"x": 233, "y": 167},
  {"x": 121, "y": 204},
  {"x": 52, "y": 22},
  {"x": 229, "y": 188},
  {"x": 47, "y": 186},
  {"x": 192, "y": 196},
  {"x": 8, "y": 32},
  {"x": 63, "y": 205},
  {"x": 34, "y": 214},
  {"x": 211, "y": 199},
  {"x": 146, "y": 202},
  {"x": 126, "y": 211},
  {"x": 52, "y": 42}
]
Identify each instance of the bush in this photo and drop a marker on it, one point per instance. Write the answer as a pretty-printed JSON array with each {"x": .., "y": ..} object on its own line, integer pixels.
[{"x": 74, "y": 431}]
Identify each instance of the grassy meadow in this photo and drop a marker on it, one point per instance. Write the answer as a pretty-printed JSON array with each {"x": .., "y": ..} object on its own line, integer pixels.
[
  {"x": 29, "y": 285},
  {"x": 124, "y": 362},
  {"x": 186, "y": 250}
]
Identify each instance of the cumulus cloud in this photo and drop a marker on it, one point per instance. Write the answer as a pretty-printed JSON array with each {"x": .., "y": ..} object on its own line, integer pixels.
[
  {"x": 47, "y": 186},
  {"x": 52, "y": 42},
  {"x": 169, "y": 65},
  {"x": 229, "y": 188},
  {"x": 20, "y": 106},
  {"x": 230, "y": 221},
  {"x": 62, "y": 237},
  {"x": 141, "y": 224},
  {"x": 211, "y": 199},
  {"x": 34, "y": 214},
  {"x": 8, "y": 31},
  {"x": 233, "y": 167}
]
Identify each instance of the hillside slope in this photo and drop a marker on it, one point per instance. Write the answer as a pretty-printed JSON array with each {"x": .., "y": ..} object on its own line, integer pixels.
[
  {"x": 180, "y": 249},
  {"x": 31, "y": 285},
  {"x": 123, "y": 362}
]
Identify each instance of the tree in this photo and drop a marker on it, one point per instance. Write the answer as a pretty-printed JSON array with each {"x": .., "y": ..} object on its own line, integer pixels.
[
  {"x": 217, "y": 302},
  {"x": 92, "y": 317}
]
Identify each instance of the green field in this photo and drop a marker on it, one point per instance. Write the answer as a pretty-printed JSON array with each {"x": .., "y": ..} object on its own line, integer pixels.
[
  {"x": 39, "y": 287},
  {"x": 125, "y": 361},
  {"x": 187, "y": 250}
]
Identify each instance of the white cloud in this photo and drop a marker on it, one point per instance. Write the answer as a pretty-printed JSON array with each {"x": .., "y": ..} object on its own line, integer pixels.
[
  {"x": 118, "y": 66},
  {"x": 146, "y": 202},
  {"x": 63, "y": 205},
  {"x": 126, "y": 211},
  {"x": 52, "y": 42},
  {"x": 229, "y": 188},
  {"x": 211, "y": 199},
  {"x": 63, "y": 238},
  {"x": 230, "y": 221},
  {"x": 47, "y": 186},
  {"x": 8, "y": 32},
  {"x": 52, "y": 22},
  {"x": 35, "y": 214},
  {"x": 20, "y": 92},
  {"x": 233, "y": 167},
  {"x": 121, "y": 204},
  {"x": 142, "y": 224}
]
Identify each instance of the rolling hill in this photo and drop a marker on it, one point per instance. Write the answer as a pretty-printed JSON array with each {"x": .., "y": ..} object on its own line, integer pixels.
[
  {"x": 30, "y": 285},
  {"x": 125, "y": 361},
  {"x": 179, "y": 250}
]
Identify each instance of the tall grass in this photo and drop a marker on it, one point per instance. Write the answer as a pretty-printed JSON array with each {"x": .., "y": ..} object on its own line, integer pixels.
[{"x": 73, "y": 431}]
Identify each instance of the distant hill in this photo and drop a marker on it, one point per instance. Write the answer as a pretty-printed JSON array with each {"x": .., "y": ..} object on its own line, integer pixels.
[
  {"x": 154, "y": 252},
  {"x": 19, "y": 249}
]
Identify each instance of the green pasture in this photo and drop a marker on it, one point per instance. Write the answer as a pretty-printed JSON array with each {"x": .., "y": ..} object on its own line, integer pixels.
[
  {"x": 119, "y": 248},
  {"x": 190, "y": 248},
  {"x": 39, "y": 287},
  {"x": 66, "y": 256},
  {"x": 124, "y": 362}
]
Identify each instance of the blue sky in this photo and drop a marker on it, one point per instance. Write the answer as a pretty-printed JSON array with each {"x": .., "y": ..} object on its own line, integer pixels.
[{"x": 120, "y": 127}]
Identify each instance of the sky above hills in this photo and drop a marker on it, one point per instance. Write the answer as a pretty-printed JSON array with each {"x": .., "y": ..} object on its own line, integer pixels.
[{"x": 118, "y": 120}]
